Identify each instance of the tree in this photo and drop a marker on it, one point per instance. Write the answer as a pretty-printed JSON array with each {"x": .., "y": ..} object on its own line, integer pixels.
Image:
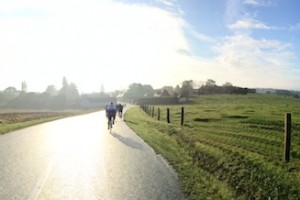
[
  {"x": 187, "y": 88},
  {"x": 2, "y": 98},
  {"x": 210, "y": 87},
  {"x": 137, "y": 90},
  {"x": 67, "y": 95},
  {"x": 72, "y": 92},
  {"x": 51, "y": 90},
  {"x": 10, "y": 92},
  {"x": 102, "y": 90},
  {"x": 227, "y": 88},
  {"x": 148, "y": 89},
  {"x": 210, "y": 83},
  {"x": 30, "y": 100},
  {"x": 65, "y": 82},
  {"x": 170, "y": 90},
  {"x": 177, "y": 91},
  {"x": 69, "y": 90},
  {"x": 24, "y": 87},
  {"x": 227, "y": 84}
]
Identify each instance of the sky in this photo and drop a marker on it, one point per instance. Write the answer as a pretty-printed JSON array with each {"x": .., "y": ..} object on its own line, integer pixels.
[{"x": 248, "y": 43}]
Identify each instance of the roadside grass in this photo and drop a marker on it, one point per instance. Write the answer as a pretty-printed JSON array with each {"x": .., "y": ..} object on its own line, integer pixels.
[
  {"x": 11, "y": 120},
  {"x": 8, "y": 127},
  {"x": 230, "y": 147},
  {"x": 196, "y": 183}
]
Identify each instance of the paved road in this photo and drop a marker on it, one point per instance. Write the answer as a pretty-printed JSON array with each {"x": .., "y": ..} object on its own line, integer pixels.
[{"x": 77, "y": 158}]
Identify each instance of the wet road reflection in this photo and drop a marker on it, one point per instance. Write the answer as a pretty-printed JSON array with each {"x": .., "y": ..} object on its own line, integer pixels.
[{"x": 77, "y": 158}]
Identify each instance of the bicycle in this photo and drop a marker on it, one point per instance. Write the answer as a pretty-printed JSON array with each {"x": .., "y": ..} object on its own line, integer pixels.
[
  {"x": 120, "y": 113},
  {"x": 120, "y": 110},
  {"x": 110, "y": 124},
  {"x": 111, "y": 117}
]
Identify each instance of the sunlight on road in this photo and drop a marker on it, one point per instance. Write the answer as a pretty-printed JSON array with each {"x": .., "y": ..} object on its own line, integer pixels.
[{"x": 78, "y": 157}]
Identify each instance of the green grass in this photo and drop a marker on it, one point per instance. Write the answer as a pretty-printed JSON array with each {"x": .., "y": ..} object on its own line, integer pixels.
[
  {"x": 11, "y": 120},
  {"x": 5, "y": 128},
  {"x": 230, "y": 147},
  {"x": 196, "y": 183}
]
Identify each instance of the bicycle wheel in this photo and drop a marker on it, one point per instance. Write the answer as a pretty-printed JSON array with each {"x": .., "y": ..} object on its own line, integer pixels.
[{"x": 110, "y": 124}]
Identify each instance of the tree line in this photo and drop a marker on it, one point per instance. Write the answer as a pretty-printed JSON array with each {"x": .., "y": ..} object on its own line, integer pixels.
[
  {"x": 210, "y": 87},
  {"x": 68, "y": 97},
  {"x": 51, "y": 98}
]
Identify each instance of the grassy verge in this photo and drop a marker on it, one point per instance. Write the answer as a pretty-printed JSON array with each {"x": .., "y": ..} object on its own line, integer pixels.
[
  {"x": 196, "y": 183},
  {"x": 5, "y": 128},
  {"x": 230, "y": 147},
  {"x": 14, "y": 119}
]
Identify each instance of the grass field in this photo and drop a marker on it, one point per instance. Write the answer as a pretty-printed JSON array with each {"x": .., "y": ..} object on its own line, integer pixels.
[
  {"x": 230, "y": 147},
  {"x": 11, "y": 120}
]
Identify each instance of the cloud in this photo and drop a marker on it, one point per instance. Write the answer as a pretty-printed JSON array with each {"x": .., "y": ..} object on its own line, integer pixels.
[
  {"x": 234, "y": 10},
  {"x": 242, "y": 50},
  {"x": 258, "y": 2},
  {"x": 100, "y": 41},
  {"x": 295, "y": 27},
  {"x": 240, "y": 17},
  {"x": 250, "y": 24},
  {"x": 184, "y": 52},
  {"x": 91, "y": 42},
  {"x": 256, "y": 62},
  {"x": 167, "y": 2},
  {"x": 201, "y": 36}
]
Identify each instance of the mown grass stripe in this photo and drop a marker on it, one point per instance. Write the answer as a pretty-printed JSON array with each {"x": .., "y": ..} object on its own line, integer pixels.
[{"x": 237, "y": 141}]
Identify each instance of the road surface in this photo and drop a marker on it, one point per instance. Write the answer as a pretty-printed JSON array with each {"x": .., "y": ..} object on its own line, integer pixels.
[{"x": 77, "y": 158}]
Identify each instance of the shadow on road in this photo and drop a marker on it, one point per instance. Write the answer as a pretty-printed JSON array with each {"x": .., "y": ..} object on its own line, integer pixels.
[{"x": 128, "y": 141}]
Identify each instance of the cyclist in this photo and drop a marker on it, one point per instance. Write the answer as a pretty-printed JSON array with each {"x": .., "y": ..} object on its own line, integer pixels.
[
  {"x": 111, "y": 110},
  {"x": 120, "y": 110}
]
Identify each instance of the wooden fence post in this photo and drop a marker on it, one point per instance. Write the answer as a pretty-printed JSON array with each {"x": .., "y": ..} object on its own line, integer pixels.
[
  {"x": 168, "y": 115},
  {"x": 148, "y": 110},
  {"x": 152, "y": 114},
  {"x": 287, "y": 138},
  {"x": 182, "y": 116},
  {"x": 158, "y": 113}
]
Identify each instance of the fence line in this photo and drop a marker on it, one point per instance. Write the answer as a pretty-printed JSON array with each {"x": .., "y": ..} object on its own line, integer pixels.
[
  {"x": 151, "y": 112},
  {"x": 287, "y": 126},
  {"x": 287, "y": 138}
]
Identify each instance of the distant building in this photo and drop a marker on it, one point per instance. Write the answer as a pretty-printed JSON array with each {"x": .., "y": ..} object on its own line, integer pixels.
[
  {"x": 182, "y": 99},
  {"x": 162, "y": 93}
]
